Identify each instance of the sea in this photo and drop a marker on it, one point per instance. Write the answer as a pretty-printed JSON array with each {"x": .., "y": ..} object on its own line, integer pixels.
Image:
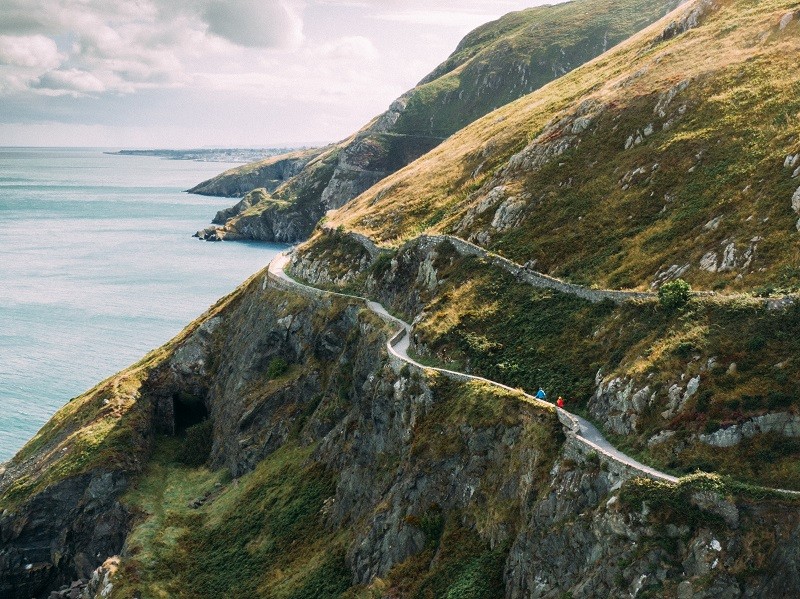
[{"x": 97, "y": 267}]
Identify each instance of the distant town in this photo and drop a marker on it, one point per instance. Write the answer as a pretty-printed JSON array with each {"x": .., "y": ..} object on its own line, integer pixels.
[{"x": 242, "y": 155}]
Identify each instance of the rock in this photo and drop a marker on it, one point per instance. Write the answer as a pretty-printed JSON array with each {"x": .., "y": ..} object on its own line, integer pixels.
[
  {"x": 558, "y": 136},
  {"x": 666, "y": 98},
  {"x": 709, "y": 262},
  {"x": 728, "y": 258},
  {"x": 669, "y": 274},
  {"x": 727, "y": 437},
  {"x": 253, "y": 198},
  {"x": 507, "y": 215},
  {"x": 660, "y": 438},
  {"x": 688, "y": 20},
  {"x": 785, "y": 20},
  {"x": 713, "y": 224}
]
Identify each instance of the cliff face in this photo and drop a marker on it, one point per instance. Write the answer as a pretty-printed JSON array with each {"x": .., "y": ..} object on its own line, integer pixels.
[
  {"x": 352, "y": 474},
  {"x": 494, "y": 65}
]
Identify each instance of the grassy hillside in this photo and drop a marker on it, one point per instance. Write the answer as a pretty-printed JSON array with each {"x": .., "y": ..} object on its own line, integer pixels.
[
  {"x": 674, "y": 154},
  {"x": 496, "y": 64}
]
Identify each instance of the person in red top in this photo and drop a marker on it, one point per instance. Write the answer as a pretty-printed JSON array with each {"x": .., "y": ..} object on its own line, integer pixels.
[{"x": 560, "y": 402}]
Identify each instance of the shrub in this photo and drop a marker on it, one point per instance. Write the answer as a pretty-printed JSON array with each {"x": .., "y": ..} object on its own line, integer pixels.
[
  {"x": 197, "y": 446},
  {"x": 674, "y": 295},
  {"x": 277, "y": 368}
]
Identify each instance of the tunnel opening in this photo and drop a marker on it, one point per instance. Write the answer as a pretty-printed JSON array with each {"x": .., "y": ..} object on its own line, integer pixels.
[{"x": 188, "y": 411}]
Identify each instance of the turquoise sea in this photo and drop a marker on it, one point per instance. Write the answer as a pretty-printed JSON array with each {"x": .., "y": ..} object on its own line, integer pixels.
[{"x": 98, "y": 266}]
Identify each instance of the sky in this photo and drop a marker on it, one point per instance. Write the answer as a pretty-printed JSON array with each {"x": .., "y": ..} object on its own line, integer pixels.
[{"x": 217, "y": 73}]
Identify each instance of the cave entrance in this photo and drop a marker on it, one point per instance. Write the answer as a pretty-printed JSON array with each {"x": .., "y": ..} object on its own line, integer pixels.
[{"x": 188, "y": 411}]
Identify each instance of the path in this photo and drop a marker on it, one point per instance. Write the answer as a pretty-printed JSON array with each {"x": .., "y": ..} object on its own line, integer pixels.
[{"x": 583, "y": 430}]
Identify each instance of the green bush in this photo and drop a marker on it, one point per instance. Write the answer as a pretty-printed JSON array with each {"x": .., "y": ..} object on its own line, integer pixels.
[
  {"x": 277, "y": 368},
  {"x": 674, "y": 295},
  {"x": 197, "y": 446}
]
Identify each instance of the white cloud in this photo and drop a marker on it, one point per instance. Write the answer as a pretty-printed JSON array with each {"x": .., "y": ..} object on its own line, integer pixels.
[
  {"x": 30, "y": 51},
  {"x": 294, "y": 69}
]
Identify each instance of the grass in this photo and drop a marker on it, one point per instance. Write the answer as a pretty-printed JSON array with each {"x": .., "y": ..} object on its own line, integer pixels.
[
  {"x": 494, "y": 65},
  {"x": 588, "y": 218},
  {"x": 479, "y": 319},
  {"x": 261, "y": 531}
]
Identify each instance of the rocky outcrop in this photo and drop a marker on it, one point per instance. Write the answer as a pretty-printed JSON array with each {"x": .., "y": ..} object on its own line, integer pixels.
[
  {"x": 268, "y": 174},
  {"x": 690, "y": 19},
  {"x": 777, "y": 423},
  {"x": 61, "y": 534},
  {"x": 619, "y": 405}
]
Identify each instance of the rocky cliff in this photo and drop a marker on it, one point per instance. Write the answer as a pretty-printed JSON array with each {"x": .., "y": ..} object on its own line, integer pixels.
[
  {"x": 494, "y": 65},
  {"x": 335, "y": 470}
]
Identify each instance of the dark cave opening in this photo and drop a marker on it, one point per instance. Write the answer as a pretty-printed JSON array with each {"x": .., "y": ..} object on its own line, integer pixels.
[{"x": 188, "y": 411}]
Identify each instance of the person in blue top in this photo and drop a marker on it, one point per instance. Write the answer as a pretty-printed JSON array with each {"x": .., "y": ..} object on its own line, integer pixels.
[{"x": 540, "y": 394}]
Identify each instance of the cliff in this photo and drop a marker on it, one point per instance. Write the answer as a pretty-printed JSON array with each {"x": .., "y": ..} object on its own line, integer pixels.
[
  {"x": 495, "y": 64},
  {"x": 283, "y": 446},
  {"x": 331, "y": 468}
]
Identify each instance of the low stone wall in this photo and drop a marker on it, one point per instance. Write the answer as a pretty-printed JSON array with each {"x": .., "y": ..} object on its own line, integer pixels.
[{"x": 531, "y": 277}]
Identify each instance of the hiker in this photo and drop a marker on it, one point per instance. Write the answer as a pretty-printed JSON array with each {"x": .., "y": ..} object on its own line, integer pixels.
[
  {"x": 540, "y": 394},
  {"x": 560, "y": 402}
]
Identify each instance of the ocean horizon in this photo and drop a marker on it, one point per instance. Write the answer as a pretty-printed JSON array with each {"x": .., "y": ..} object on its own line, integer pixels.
[{"x": 100, "y": 267}]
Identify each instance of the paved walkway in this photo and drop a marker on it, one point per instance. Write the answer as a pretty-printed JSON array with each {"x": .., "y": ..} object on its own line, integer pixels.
[{"x": 399, "y": 344}]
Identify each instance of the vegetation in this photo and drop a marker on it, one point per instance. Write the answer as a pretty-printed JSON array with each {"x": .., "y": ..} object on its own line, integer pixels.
[
  {"x": 674, "y": 294},
  {"x": 708, "y": 118},
  {"x": 197, "y": 444},
  {"x": 494, "y": 65},
  {"x": 277, "y": 368}
]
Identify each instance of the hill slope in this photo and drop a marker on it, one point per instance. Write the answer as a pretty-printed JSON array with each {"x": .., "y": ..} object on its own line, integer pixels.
[
  {"x": 675, "y": 154},
  {"x": 493, "y": 65}
]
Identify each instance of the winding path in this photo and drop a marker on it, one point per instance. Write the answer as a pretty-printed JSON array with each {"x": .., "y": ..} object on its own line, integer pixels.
[{"x": 582, "y": 430}]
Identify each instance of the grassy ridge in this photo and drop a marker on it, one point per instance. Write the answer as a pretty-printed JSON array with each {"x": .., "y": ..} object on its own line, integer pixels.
[
  {"x": 496, "y": 64},
  {"x": 708, "y": 118}
]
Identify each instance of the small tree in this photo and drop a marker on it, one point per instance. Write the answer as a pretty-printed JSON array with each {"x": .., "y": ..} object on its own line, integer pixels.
[{"x": 674, "y": 295}]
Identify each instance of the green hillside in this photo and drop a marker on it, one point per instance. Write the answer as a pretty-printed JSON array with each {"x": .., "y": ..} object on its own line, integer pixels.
[
  {"x": 672, "y": 155},
  {"x": 495, "y": 64}
]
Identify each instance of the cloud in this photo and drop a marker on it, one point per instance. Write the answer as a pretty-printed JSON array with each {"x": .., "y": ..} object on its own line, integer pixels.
[
  {"x": 30, "y": 51},
  {"x": 70, "y": 81},
  {"x": 254, "y": 23}
]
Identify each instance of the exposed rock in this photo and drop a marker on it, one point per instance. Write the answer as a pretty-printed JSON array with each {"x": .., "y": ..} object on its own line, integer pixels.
[
  {"x": 251, "y": 199},
  {"x": 557, "y": 137},
  {"x": 785, "y": 20},
  {"x": 618, "y": 407},
  {"x": 779, "y": 423},
  {"x": 709, "y": 262},
  {"x": 660, "y": 438},
  {"x": 669, "y": 274},
  {"x": 666, "y": 98},
  {"x": 269, "y": 174},
  {"x": 690, "y": 19},
  {"x": 507, "y": 215}
]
